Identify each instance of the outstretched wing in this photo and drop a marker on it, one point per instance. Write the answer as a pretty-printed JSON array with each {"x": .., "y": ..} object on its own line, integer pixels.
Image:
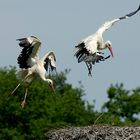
[
  {"x": 49, "y": 62},
  {"x": 108, "y": 24},
  {"x": 29, "y": 54}
]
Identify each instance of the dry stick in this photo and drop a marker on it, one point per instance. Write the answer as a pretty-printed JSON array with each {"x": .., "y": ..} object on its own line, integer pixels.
[{"x": 99, "y": 117}]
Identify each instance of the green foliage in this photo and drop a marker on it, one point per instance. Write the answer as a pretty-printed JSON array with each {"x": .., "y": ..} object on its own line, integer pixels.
[
  {"x": 123, "y": 105},
  {"x": 44, "y": 109}
]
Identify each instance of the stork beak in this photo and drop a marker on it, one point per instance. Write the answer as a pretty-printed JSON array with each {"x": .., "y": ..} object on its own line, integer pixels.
[
  {"x": 111, "y": 51},
  {"x": 52, "y": 88}
]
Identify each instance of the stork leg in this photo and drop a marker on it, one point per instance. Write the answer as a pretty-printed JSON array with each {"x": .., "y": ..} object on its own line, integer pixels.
[
  {"x": 89, "y": 66},
  {"x": 20, "y": 84},
  {"x": 23, "y": 104}
]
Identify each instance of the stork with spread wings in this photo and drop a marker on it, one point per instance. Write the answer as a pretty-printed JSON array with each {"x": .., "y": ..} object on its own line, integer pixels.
[
  {"x": 32, "y": 66},
  {"x": 89, "y": 48}
]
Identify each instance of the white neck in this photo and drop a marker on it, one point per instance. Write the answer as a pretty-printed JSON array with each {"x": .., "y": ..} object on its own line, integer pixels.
[
  {"x": 102, "y": 46},
  {"x": 45, "y": 79}
]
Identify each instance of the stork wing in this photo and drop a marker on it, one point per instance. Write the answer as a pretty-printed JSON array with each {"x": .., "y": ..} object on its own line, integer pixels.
[
  {"x": 86, "y": 48},
  {"x": 99, "y": 57},
  {"x": 49, "y": 62},
  {"x": 29, "y": 53},
  {"x": 108, "y": 24}
]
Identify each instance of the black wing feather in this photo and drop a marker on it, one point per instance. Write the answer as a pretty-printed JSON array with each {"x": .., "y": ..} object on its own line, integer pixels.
[
  {"x": 82, "y": 52},
  {"x": 47, "y": 65},
  {"x": 25, "y": 53}
]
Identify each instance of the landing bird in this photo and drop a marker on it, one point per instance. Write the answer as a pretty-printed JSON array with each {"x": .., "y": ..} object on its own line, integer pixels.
[
  {"x": 89, "y": 49},
  {"x": 31, "y": 65}
]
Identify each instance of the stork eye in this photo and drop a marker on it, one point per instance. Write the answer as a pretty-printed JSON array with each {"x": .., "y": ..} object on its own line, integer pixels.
[
  {"x": 50, "y": 83},
  {"x": 109, "y": 45}
]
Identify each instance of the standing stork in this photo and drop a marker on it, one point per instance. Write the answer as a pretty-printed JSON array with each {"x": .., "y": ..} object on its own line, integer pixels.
[
  {"x": 31, "y": 65},
  {"x": 89, "y": 49}
]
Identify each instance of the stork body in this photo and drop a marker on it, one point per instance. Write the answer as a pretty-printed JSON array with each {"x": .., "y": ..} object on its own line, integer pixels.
[
  {"x": 89, "y": 49},
  {"x": 32, "y": 66}
]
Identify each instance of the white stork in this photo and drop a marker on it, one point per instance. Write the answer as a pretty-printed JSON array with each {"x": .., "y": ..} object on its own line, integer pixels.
[
  {"x": 89, "y": 49},
  {"x": 31, "y": 65}
]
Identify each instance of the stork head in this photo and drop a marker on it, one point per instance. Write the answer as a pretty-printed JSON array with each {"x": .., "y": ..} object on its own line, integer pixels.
[
  {"x": 109, "y": 46},
  {"x": 51, "y": 84}
]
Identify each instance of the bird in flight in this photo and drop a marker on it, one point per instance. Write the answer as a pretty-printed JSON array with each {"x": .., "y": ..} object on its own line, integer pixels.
[
  {"x": 31, "y": 66},
  {"x": 89, "y": 49}
]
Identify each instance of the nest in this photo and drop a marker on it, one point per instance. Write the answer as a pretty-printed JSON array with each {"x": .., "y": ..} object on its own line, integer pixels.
[{"x": 95, "y": 132}]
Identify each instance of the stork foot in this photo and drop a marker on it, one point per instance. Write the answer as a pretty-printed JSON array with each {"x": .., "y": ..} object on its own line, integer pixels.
[
  {"x": 89, "y": 74},
  {"x": 23, "y": 104},
  {"x": 89, "y": 69}
]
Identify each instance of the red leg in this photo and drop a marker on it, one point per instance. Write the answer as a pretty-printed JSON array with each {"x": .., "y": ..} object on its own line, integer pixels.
[{"x": 23, "y": 104}]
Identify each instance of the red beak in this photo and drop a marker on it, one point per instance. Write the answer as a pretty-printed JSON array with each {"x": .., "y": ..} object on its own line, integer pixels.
[{"x": 110, "y": 49}]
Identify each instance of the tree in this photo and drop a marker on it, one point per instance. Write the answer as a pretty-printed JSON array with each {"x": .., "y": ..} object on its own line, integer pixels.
[
  {"x": 44, "y": 110},
  {"x": 123, "y": 105}
]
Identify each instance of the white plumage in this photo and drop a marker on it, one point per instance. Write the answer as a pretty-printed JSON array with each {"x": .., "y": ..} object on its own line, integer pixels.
[
  {"x": 31, "y": 65},
  {"x": 89, "y": 48}
]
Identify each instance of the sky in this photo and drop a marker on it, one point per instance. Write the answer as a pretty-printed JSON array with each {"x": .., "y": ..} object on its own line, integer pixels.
[{"x": 60, "y": 25}]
